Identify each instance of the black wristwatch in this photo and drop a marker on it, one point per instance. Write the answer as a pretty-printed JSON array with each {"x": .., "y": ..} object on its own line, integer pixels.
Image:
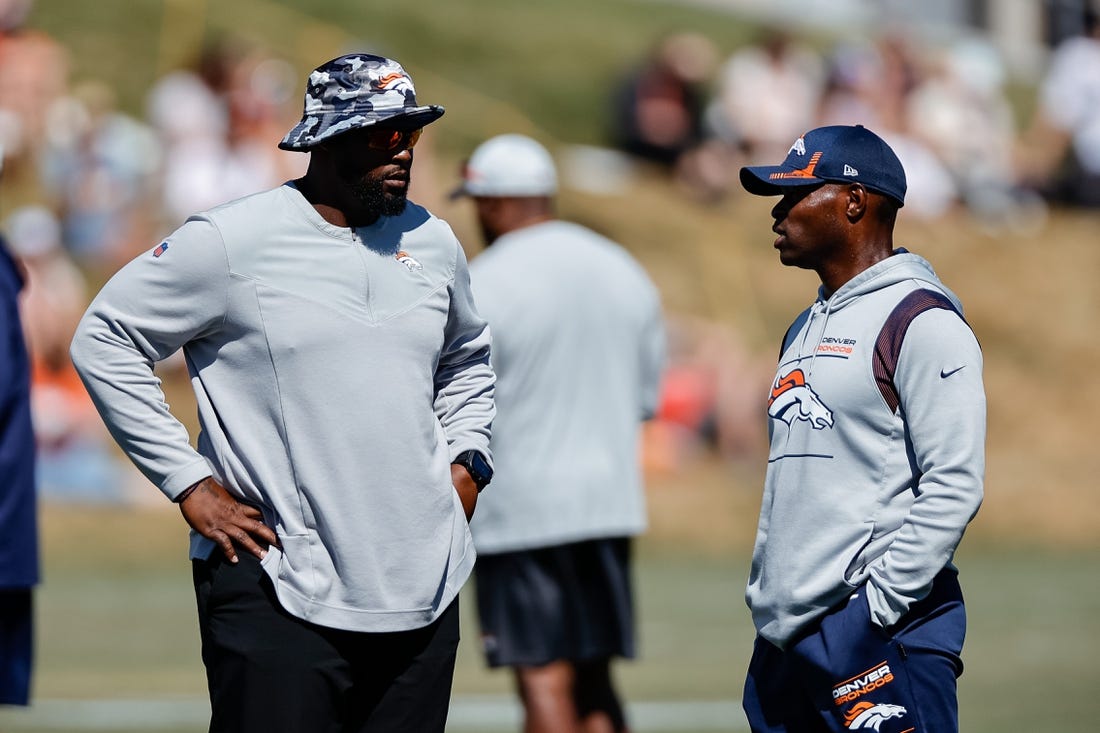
[{"x": 479, "y": 469}]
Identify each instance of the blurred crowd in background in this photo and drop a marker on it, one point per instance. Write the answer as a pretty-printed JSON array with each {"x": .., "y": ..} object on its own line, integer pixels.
[
  {"x": 945, "y": 109},
  {"x": 88, "y": 186}
]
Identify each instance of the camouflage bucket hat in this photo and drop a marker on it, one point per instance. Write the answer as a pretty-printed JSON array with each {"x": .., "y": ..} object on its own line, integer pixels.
[{"x": 354, "y": 91}]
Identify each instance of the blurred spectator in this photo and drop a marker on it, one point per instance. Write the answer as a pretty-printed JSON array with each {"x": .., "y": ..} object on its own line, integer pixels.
[
  {"x": 899, "y": 71},
  {"x": 932, "y": 191},
  {"x": 872, "y": 84},
  {"x": 659, "y": 106},
  {"x": 767, "y": 96},
  {"x": 710, "y": 396},
  {"x": 660, "y": 114},
  {"x": 218, "y": 124},
  {"x": 33, "y": 72},
  {"x": 851, "y": 88},
  {"x": 55, "y": 295},
  {"x": 75, "y": 458},
  {"x": 1061, "y": 150},
  {"x": 263, "y": 98},
  {"x": 99, "y": 166},
  {"x": 960, "y": 112}
]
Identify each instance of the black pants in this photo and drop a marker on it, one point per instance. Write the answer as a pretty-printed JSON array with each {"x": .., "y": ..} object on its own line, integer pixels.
[
  {"x": 16, "y": 645},
  {"x": 271, "y": 672}
]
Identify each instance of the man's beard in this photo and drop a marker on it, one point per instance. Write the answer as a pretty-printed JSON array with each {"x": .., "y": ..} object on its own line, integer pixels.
[{"x": 371, "y": 194}]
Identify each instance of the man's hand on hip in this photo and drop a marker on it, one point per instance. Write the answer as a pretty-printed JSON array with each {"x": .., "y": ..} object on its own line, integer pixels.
[{"x": 213, "y": 513}]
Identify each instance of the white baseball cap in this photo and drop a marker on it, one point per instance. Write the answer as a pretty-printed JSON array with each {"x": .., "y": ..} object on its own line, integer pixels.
[{"x": 509, "y": 165}]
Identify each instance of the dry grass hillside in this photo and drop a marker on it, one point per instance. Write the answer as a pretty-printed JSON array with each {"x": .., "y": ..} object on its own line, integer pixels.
[{"x": 1031, "y": 296}]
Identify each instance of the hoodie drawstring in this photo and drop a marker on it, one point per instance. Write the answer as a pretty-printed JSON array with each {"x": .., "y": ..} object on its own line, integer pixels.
[
  {"x": 821, "y": 335},
  {"x": 823, "y": 307}
]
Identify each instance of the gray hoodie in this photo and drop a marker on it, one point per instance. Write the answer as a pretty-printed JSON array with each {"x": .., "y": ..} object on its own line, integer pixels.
[
  {"x": 337, "y": 373},
  {"x": 868, "y": 483}
]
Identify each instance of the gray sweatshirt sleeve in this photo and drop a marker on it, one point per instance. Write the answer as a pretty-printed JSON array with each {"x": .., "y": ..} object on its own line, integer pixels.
[
  {"x": 939, "y": 381},
  {"x": 147, "y": 311},
  {"x": 464, "y": 379}
]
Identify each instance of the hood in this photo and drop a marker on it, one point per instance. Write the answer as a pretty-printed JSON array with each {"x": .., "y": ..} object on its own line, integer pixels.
[{"x": 902, "y": 265}]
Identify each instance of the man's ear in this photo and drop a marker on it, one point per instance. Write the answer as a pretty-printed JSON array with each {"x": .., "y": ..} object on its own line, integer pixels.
[{"x": 858, "y": 199}]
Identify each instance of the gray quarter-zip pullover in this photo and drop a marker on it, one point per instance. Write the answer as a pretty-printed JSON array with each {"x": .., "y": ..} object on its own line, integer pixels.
[{"x": 337, "y": 373}]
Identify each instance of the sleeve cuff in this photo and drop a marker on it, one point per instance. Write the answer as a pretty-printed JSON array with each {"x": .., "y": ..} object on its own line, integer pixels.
[{"x": 177, "y": 483}]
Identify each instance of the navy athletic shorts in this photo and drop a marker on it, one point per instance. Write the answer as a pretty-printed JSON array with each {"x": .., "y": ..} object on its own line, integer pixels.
[
  {"x": 848, "y": 674},
  {"x": 16, "y": 644},
  {"x": 565, "y": 602}
]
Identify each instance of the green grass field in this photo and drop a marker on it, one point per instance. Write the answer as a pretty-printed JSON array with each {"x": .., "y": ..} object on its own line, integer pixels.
[{"x": 116, "y": 622}]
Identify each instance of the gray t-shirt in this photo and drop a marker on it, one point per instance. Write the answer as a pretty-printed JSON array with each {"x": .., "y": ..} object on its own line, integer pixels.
[{"x": 578, "y": 348}]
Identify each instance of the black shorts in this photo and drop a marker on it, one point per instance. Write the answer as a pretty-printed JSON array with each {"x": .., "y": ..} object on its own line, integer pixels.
[{"x": 565, "y": 602}]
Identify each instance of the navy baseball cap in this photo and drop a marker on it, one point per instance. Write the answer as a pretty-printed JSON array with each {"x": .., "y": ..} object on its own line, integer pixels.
[
  {"x": 354, "y": 91},
  {"x": 835, "y": 154}
]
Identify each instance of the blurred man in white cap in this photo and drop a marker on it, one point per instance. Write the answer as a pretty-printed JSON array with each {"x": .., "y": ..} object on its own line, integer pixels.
[
  {"x": 578, "y": 348},
  {"x": 345, "y": 397}
]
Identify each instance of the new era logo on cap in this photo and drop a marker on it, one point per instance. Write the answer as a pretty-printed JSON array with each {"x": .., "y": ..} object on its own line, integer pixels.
[{"x": 837, "y": 153}]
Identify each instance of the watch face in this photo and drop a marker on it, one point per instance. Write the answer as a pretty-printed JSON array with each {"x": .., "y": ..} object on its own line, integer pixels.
[
  {"x": 481, "y": 467},
  {"x": 478, "y": 467}
]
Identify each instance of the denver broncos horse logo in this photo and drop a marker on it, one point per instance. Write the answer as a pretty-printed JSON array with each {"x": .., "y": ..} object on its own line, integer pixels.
[
  {"x": 793, "y": 399},
  {"x": 870, "y": 716},
  {"x": 392, "y": 80}
]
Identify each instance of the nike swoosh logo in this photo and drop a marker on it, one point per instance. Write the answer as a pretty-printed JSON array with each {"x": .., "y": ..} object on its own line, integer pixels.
[{"x": 945, "y": 373}]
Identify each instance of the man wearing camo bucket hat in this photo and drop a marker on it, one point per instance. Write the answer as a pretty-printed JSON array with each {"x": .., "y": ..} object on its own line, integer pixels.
[
  {"x": 345, "y": 397},
  {"x": 357, "y": 91}
]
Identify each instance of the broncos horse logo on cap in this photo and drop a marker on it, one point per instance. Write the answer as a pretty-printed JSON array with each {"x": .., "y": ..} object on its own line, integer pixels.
[{"x": 793, "y": 399}]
